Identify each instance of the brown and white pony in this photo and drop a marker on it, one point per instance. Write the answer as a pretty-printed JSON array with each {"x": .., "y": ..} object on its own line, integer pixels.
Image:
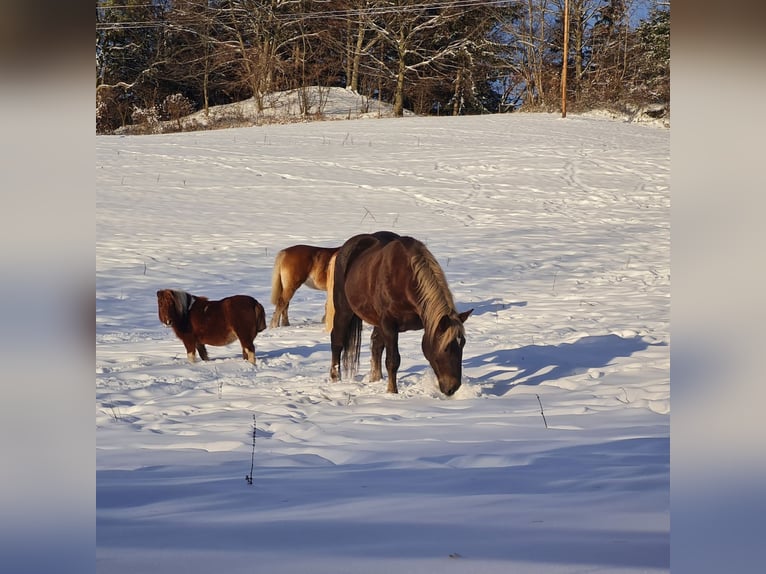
[
  {"x": 198, "y": 321},
  {"x": 295, "y": 266},
  {"x": 395, "y": 284}
]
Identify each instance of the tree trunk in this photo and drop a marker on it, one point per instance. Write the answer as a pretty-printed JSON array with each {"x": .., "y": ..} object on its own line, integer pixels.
[
  {"x": 354, "y": 84},
  {"x": 579, "y": 39},
  {"x": 458, "y": 90},
  {"x": 399, "y": 93},
  {"x": 206, "y": 77}
]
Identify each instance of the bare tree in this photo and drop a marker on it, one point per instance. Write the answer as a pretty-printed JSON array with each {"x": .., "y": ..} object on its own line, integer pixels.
[
  {"x": 408, "y": 29},
  {"x": 526, "y": 34},
  {"x": 128, "y": 34},
  {"x": 190, "y": 46},
  {"x": 362, "y": 40}
]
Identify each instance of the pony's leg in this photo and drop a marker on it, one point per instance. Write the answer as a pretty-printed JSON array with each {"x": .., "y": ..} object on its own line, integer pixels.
[
  {"x": 376, "y": 352},
  {"x": 202, "y": 352},
  {"x": 248, "y": 350},
  {"x": 189, "y": 344}
]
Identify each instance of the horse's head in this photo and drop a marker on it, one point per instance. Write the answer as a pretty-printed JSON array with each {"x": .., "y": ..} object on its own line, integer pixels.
[
  {"x": 444, "y": 351},
  {"x": 167, "y": 307}
]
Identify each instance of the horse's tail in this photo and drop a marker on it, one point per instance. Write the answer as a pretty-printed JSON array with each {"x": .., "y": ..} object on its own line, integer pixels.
[
  {"x": 352, "y": 343},
  {"x": 329, "y": 306},
  {"x": 260, "y": 316},
  {"x": 276, "y": 278}
]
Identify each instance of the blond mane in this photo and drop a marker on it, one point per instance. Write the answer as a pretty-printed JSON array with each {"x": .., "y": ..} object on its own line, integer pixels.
[{"x": 435, "y": 295}]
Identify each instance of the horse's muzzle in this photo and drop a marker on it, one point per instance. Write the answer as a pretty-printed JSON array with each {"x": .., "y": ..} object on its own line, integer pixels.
[{"x": 450, "y": 389}]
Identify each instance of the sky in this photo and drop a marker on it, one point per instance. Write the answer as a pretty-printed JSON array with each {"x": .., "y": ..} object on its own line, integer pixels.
[{"x": 554, "y": 455}]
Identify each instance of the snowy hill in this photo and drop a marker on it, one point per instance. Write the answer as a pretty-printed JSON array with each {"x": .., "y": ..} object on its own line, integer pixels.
[{"x": 328, "y": 103}]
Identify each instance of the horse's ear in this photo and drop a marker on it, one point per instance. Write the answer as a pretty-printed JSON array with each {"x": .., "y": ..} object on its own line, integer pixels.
[{"x": 464, "y": 315}]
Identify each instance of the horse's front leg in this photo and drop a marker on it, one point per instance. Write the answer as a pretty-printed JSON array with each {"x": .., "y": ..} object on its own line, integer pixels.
[
  {"x": 202, "y": 352},
  {"x": 376, "y": 352},
  {"x": 393, "y": 359}
]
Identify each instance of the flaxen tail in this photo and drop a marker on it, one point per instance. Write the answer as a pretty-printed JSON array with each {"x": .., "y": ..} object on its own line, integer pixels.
[
  {"x": 329, "y": 306},
  {"x": 276, "y": 278}
]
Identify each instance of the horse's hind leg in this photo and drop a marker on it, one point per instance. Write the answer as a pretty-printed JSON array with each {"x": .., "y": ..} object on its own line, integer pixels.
[
  {"x": 285, "y": 321},
  {"x": 279, "y": 318},
  {"x": 202, "y": 352},
  {"x": 376, "y": 352},
  {"x": 341, "y": 322},
  {"x": 279, "y": 310},
  {"x": 283, "y": 303},
  {"x": 277, "y": 314},
  {"x": 336, "y": 347}
]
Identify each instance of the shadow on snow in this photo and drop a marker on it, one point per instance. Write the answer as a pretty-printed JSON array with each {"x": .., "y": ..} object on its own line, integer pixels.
[{"x": 536, "y": 364}]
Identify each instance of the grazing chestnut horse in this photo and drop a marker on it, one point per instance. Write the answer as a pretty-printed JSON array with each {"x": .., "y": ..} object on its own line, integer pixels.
[
  {"x": 395, "y": 284},
  {"x": 293, "y": 267},
  {"x": 198, "y": 321}
]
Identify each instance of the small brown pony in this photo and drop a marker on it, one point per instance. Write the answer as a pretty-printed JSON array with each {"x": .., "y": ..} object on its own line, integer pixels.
[
  {"x": 295, "y": 266},
  {"x": 395, "y": 284},
  {"x": 197, "y": 321}
]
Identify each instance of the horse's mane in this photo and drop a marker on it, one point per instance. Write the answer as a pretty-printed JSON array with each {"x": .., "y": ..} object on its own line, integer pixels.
[
  {"x": 434, "y": 294},
  {"x": 182, "y": 303}
]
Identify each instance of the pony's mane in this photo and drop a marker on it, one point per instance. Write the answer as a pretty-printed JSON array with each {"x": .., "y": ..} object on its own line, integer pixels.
[
  {"x": 183, "y": 301},
  {"x": 434, "y": 294}
]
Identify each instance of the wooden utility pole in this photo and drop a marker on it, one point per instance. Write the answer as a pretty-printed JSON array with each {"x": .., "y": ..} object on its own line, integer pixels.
[{"x": 564, "y": 58}]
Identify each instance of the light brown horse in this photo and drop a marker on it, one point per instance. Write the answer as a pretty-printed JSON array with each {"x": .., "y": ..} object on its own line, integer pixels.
[
  {"x": 198, "y": 321},
  {"x": 295, "y": 266},
  {"x": 395, "y": 284}
]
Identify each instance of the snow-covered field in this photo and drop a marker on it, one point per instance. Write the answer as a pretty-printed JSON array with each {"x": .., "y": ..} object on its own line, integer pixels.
[{"x": 555, "y": 231}]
